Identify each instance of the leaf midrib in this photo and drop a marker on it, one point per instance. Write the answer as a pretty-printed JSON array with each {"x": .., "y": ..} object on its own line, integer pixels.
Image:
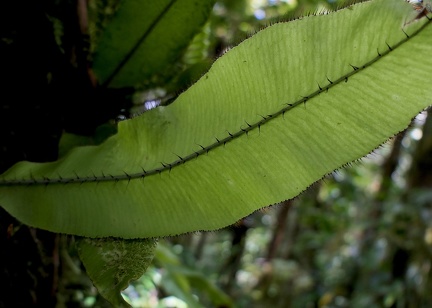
[{"x": 167, "y": 167}]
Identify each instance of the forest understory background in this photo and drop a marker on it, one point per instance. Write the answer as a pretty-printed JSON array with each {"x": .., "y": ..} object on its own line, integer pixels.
[{"x": 360, "y": 237}]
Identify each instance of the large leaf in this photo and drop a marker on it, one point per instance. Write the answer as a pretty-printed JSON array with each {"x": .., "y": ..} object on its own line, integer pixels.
[
  {"x": 271, "y": 117},
  {"x": 146, "y": 38}
]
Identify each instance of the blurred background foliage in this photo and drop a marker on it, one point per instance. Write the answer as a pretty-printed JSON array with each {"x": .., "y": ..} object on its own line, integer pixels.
[{"x": 361, "y": 237}]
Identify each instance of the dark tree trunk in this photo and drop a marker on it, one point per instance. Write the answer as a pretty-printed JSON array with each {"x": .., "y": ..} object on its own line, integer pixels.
[
  {"x": 29, "y": 130},
  {"x": 279, "y": 231},
  {"x": 45, "y": 90}
]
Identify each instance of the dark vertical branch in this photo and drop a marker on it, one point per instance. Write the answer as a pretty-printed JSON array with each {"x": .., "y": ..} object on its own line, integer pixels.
[
  {"x": 374, "y": 215},
  {"x": 56, "y": 264},
  {"x": 387, "y": 168},
  {"x": 84, "y": 43},
  {"x": 200, "y": 246},
  {"x": 414, "y": 249},
  {"x": 232, "y": 265},
  {"x": 279, "y": 231},
  {"x": 420, "y": 175}
]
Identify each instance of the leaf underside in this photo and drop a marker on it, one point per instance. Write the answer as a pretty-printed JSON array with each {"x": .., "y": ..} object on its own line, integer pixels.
[{"x": 272, "y": 116}]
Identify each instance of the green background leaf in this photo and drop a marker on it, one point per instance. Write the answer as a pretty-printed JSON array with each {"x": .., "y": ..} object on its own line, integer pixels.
[
  {"x": 112, "y": 263},
  {"x": 180, "y": 280},
  {"x": 145, "y": 38},
  {"x": 353, "y": 79}
]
